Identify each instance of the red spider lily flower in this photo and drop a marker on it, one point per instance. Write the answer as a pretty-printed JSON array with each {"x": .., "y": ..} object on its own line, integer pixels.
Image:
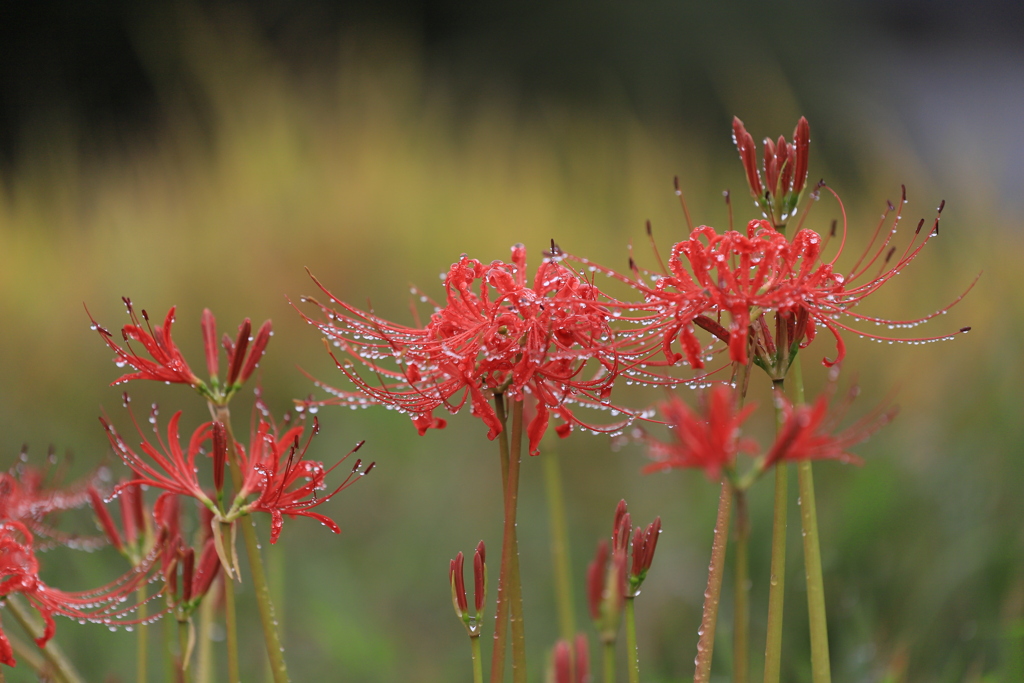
[
  {"x": 811, "y": 431},
  {"x": 285, "y": 483},
  {"x": 29, "y": 495},
  {"x": 165, "y": 465},
  {"x": 166, "y": 362},
  {"x": 749, "y": 276},
  {"x": 709, "y": 440},
  {"x": 785, "y": 170},
  {"x": 495, "y": 334},
  {"x": 19, "y": 573}
]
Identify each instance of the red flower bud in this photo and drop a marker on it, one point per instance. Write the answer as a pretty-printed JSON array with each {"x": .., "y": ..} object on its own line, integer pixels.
[
  {"x": 220, "y": 455},
  {"x": 745, "y": 144},
  {"x": 128, "y": 502},
  {"x": 237, "y": 353},
  {"x": 802, "y": 143},
  {"x": 582, "y": 659},
  {"x": 259, "y": 345},
  {"x": 595, "y": 580},
  {"x": 479, "y": 577},
  {"x": 209, "y": 325},
  {"x": 563, "y": 663},
  {"x": 458, "y": 584},
  {"x": 105, "y": 519},
  {"x": 188, "y": 564},
  {"x": 621, "y": 513},
  {"x": 209, "y": 565}
]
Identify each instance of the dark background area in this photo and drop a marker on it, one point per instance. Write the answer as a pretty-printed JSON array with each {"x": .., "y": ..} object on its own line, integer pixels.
[{"x": 112, "y": 67}]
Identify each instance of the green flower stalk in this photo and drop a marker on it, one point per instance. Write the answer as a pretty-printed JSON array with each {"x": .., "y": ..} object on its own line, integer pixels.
[{"x": 561, "y": 561}]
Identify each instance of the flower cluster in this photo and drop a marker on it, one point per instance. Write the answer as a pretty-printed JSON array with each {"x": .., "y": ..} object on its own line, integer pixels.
[
  {"x": 730, "y": 283},
  {"x": 711, "y": 438},
  {"x": 19, "y": 573},
  {"x": 166, "y": 362},
  {"x": 27, "y": 497},
  {"x": 494, "y": 334},
  {"x": 272, "y": 469},
  {"x": 785, "y": 169}
]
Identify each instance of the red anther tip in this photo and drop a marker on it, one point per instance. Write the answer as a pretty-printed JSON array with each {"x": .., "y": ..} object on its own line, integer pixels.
[
  {"x": 942, "y": 205},
  {"x": 965, "y": 329},
  {"x": 648, "y": 228}
]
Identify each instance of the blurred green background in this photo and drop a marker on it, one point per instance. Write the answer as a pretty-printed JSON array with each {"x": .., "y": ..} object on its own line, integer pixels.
[{"x": 204, "y": 154}]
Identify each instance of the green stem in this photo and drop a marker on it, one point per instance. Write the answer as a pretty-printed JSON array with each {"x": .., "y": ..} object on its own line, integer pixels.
[
  {"x": 275, "y": 652},
  {"x": 501, "y": 612},
  {"x": 230, "y": 618},
  {"x": 183, "y": 653},
  {"x": 515, "y": 586},
  {"x": 478, "y": 665},
  {"x": 777, "y": 584},
  {"x": 820, "y": 666},
  {"x": 609, "y": 661},
  {"x": 142, "y": 639},
  {"x": 276, "y": 572},
  {"x": 29, "y": 653},
  {"x": 204, "y": 662},
  {"x": 169, "y": 633},
  {"x": 716, "y": 570},
  {"x": 632, "y": 651},
  {"x": 560, "y": 560},
  {"x": 741, "y": 626},
  {"x": 52, "y": 652}
]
